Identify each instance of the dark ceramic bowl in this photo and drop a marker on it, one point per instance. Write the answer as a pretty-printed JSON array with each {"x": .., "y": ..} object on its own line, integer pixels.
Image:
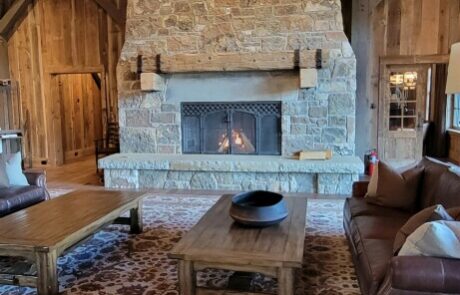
[{"x": 258, "y": 208}]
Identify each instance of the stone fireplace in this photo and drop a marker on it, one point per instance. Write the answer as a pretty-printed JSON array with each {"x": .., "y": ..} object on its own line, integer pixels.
[{"x": 232, "y": 112}]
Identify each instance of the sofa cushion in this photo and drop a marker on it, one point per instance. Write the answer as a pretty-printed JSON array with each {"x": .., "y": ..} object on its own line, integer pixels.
[
  {"x": 432, "y": 213},
  {"x": 15, "y": 198},
  {"x": 360, "y": 207},
  {"x": 448, "y": 190},
  {"x": 378, "y": 227},
  {"x": 390, "y": 188},
  {"x": 433, "y": 170},
  {"x": 14, "y": 171},
  {"x": 374, "y": 261}
]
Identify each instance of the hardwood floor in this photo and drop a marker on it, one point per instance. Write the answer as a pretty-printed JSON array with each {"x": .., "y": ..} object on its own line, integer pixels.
[{"x": 74, "y": 175}]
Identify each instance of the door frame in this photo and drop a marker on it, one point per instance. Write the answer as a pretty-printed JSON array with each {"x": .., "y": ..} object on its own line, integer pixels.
[
  {"x": 55, "y": 98},
  {"x": 384, "y": 62}
]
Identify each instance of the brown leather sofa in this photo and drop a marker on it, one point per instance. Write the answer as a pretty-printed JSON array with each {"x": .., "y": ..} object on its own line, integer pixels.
[
  {"x": 16, "y": 198},
  {"x": 371, "y": 231}
]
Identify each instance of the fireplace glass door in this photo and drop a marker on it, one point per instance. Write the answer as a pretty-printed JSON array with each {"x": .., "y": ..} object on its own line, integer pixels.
[{"x": 231, "y": 128}]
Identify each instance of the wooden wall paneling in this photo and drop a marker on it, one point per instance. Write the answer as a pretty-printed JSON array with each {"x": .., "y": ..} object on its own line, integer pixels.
[
  {"x": 81, "y": 124},
  {"x": 89, "y": 117},
  {"x": 428, "y": 41},
  {"x": 394, "y": 26},
  {"x": 5, "y": 107},
  {"x": 104, "y": 53},
  {"x": 66, "y": 123},
  {"x": 56, "y": 37},
  {"x": 454, "y": 152},
  {"x": 66, "y": 47},
  {"x": 114, "y": 50},
  {"x": 40, "y": 108},
  {"x": 410, "y": 24},
  {"x": 76, "y": 82},
  {"x": 454, "y": 21},
  {"x": 98, "y": 113},
  {"x": 92, "y": 32},
  {"x": 80, "y": 31},
  {"x": 444, "y": 26},
  {"x": 378, "y": 49},
  {"x": 57, "y": 120}
]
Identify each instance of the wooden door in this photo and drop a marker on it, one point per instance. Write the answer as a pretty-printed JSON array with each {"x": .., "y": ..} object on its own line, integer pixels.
[
  {"x": 402, "y": 107},
  {"x": 81, "y": 114}
]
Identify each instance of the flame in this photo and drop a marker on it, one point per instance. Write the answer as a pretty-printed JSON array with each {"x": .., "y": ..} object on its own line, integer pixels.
[{"x": 237, "y": 139}]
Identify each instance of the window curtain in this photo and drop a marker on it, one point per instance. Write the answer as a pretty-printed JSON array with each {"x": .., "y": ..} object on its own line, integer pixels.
[{"x": 436, "y": 143}]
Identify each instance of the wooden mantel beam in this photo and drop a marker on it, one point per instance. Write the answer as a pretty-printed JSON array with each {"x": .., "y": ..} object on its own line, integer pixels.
[
  {"x": 234, "y": 62},
  {"x": 11, "y": 17},
  {"x": 117, "y": 14}
]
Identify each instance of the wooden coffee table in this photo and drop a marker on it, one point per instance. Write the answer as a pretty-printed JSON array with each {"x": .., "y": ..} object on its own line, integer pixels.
[
  {"x": 41, "y": 233},
  {"x": 217, "y": 242}
]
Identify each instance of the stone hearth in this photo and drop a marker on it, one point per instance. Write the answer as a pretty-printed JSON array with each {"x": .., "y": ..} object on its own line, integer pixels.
[
  {"x": 236, "y": 173},
  {"x": 311, "y": 119}
]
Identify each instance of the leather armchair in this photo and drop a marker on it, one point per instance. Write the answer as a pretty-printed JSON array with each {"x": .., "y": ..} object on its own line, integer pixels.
[
  {"x": 37, "y": 178},
  {"x": 16, "y": 198}
]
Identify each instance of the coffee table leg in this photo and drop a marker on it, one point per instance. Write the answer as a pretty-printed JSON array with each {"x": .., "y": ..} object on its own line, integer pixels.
[
  {"x": 186, "y": 278},
  {"x": 47, "y": 282},
  {"x": 137, "y": 225},
  {"x": 286, "y": 281}
]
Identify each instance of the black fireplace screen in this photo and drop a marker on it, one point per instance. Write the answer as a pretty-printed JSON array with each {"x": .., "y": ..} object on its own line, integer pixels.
[{"x": 231, "y": 128}]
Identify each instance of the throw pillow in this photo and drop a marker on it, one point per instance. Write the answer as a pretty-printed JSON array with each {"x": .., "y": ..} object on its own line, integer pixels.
[
  {"x": 390, "y": 188},
  {"x": 433, "y": 213},
  {"x": 4, "y": 182},
  {"x": 436, "y": 239},
  {"x": 14, "y": 171}
]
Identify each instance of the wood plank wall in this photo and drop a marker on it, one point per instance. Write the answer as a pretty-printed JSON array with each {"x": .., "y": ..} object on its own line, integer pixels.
[
  {"x": 417, "y": 27},
  {"x": 62, "y": 37},
  {"x": 396, "y": 28},
  {"x": 80, "y": 105},
  {"x": 454, "y": 153}
]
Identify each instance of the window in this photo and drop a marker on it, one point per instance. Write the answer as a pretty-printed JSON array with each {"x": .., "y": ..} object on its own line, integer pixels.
[
  {"x": 403, "y": 101},
  {"x": 456, "y": 112}
]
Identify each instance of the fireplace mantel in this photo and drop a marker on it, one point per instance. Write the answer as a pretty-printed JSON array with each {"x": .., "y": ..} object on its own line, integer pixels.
[{"x": 233, "y": 62}]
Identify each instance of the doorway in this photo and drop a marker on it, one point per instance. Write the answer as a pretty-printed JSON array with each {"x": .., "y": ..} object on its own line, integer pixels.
[
  {"x": 81, "y": 110},
  {"x": 408, "y": 93}
]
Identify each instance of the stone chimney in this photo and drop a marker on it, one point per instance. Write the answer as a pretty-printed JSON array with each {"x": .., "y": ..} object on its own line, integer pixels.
[{"x": 317, "y": 118}]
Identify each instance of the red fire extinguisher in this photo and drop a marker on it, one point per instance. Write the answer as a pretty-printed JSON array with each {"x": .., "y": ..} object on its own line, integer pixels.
[{"x": 373, "y": 160}]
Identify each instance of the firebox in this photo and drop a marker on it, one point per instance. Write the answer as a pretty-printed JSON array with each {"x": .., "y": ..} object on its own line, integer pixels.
[{"x": 242, "y": 128}]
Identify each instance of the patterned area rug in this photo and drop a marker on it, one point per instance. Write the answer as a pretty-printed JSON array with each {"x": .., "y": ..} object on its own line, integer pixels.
[{"x": 115, "y": 262}]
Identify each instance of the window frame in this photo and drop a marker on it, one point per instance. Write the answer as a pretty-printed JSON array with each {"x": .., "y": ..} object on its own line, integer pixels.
[{"x": 455, "y": 112}]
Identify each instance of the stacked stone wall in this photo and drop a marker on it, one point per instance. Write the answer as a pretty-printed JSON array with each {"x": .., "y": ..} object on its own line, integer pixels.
[{"x": 318, "y": 118}]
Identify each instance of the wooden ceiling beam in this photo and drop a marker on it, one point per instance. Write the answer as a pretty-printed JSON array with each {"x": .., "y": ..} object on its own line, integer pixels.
[
  {"x": 117, "y": 14},
  {"x": 12, "y": 16}
]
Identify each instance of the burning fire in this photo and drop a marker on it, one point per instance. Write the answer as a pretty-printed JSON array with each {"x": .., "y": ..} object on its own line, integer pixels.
[{"x": 239, "y": 141}]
